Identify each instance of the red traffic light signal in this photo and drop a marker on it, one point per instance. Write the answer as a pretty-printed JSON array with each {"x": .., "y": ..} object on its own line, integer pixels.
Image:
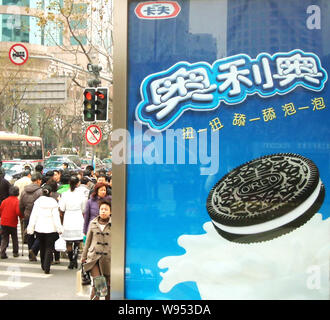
[
  {"x": 89, "y": 104},
  {"x": 88, "y": 96},
  {"x": 101, "y": 95}
]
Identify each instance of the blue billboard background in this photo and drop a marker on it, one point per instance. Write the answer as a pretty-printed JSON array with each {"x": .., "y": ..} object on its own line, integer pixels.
[{"x": 165, "y": 201}]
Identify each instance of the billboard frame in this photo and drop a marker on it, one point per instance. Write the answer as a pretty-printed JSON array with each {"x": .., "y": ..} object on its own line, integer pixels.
[
  {"x": 120, "y": 35},
  {"x": 120, "y": 121}
]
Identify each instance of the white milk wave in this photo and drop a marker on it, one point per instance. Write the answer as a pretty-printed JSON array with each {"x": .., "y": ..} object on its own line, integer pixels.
[{"x": 293, "y": 266}]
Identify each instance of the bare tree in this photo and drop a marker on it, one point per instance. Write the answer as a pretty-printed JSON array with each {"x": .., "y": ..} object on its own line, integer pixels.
[
  {"x": 87, "y": 28},
  {"x": 10, "y": 97},
  {"x": 87, "y": 38}
]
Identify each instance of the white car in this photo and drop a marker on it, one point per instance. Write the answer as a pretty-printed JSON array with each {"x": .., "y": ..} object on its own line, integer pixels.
[{"x": 13, "y": 170}]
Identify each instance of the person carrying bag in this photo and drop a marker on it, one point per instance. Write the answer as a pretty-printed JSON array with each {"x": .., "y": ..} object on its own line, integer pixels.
[
  {"x": 83, "y": 281},
  {"x": 96, "y": 253},
  {"x": 85, "y": 276},
  {"x": 45, "y": 222},
  {"x": 60, "y": 244}
]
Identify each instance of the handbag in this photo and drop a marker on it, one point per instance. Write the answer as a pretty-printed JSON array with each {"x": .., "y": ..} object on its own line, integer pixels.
[
  {"x": 100, "y": 285},
  {"x": 85, "y": 276},
  {"x": 60, "y": 244}
]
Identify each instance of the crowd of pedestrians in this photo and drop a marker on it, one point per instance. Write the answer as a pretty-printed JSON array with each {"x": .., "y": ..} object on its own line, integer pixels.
[{"x": 60, "y": 203}]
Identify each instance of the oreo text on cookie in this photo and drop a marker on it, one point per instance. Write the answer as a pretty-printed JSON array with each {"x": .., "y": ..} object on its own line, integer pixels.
[{"x": 265, "y": 198}]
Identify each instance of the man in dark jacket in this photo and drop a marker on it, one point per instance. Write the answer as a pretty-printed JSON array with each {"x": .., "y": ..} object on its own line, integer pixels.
[
  {"x": 4, "y": 187},
  {"x": 29, "y": 195},
  {"x": 90, "y": 184},
  {"x": 65, "y": 167}
]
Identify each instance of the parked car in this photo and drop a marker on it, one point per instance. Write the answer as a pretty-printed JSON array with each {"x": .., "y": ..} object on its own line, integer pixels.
[
  {"x": 13, "y": 170},
  {"x": 57, "y": 165},
  {"x": 108, "y": 163},
  {"x": 85, "y": 163},
  {"x": 65, "y": 151},
  {"x": 98, "y": 164},
  {"x": 65, "y": 158}
]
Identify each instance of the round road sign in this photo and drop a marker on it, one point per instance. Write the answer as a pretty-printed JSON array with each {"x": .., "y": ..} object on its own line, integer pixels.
[
  {"x": 18, "y": 54},
  {"x": 93, "y": 134}
]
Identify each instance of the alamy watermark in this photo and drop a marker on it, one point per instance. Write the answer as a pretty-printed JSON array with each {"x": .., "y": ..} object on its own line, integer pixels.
[
  {"x": 15, "y": 277},
  {"x": 167, "y": 147},
  {"x": 313, "y": 281}
]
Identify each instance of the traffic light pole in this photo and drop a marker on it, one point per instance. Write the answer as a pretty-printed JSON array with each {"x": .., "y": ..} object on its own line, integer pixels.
[
  {"x": 69, "y": 64},
  {"x": 93, "y": 160},
  {"x": 93, "y": 83},
  {"x": 96, "y": 75}
]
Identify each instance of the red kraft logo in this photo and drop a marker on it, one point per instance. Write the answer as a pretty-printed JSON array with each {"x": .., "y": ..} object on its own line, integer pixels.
[{"x": 157, "y": 10}]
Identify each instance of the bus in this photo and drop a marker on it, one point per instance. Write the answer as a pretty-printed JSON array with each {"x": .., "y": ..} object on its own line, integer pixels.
[{"x": 17, "y": 150}]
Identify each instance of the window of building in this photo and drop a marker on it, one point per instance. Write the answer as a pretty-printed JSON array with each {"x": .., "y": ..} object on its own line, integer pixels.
[
  {"x": 82, "y": 39},
  {"x": 78, "y": 24},
  {"x": 15, "y": 28},
  {"x": 53, "y": 34},
  {"x": 36, "y": 36},
  {"x": 46, "y": 3},
  {"x": 21, "y": 28},
  {"x": 23, "y": 3},
  {"x": 80, "y": 8},
  {"x": 20, "y": 3}
]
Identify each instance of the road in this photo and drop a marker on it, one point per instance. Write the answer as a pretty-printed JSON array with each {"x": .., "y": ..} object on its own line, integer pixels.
[{"x": 21, "y": 279}]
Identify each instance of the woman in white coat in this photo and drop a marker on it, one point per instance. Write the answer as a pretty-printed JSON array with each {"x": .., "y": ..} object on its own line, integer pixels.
[
  {"x": 45, "y": 222},
  {"x": 71, "y": 207}
]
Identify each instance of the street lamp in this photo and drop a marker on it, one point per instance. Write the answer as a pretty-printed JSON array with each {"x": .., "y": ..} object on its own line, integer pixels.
[
  {"x": 95, "y": 70},
  {"x": 89, "y": 67},
  {"x": 94, "y": 83},
  {"x": 58, "y": 123},
  {"x": 39, "y": 123},
  {"x": 23, "y": 119}
]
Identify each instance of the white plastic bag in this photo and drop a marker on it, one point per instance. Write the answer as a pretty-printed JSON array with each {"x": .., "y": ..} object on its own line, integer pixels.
[{"x": 60, "y": 245}]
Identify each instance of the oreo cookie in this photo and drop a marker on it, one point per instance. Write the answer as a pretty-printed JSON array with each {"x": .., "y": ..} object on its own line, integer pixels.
[{"x": 265, "y": 198}]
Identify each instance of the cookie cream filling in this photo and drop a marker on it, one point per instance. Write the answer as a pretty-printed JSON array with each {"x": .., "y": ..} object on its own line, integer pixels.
[{"x": 277, "y": 222}]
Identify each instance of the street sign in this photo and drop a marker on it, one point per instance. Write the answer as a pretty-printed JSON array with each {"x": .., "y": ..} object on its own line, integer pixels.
[
  {"x": 43, "y": 91},
  {"x": 18, "y": 54},
  {"x": 93, "y": 134}
]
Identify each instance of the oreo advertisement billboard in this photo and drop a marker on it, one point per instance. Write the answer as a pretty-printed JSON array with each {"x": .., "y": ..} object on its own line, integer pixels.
[{"x": 229, "y": 150}]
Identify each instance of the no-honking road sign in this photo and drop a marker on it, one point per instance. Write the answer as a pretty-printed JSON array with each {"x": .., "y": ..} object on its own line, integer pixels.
[
  {"x": 93, "y": 134},
  {"x": 18, "y": 54}
]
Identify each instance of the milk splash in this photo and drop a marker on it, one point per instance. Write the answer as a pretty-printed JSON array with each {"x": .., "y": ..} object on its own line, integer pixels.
[{"x": 293, "y": 266}]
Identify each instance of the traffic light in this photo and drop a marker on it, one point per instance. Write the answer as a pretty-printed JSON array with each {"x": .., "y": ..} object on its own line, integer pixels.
[
  {"x": 89, "y": 104},
  {"x": 101, "y": 95}
]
